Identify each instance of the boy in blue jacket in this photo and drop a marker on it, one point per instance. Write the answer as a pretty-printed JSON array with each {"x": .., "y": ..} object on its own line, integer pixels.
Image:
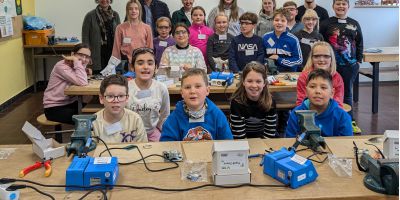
[
  {"x": 332, "y": 119},
  {"x": 282, "y": 46},
  {"x": 196, "y": 117}
]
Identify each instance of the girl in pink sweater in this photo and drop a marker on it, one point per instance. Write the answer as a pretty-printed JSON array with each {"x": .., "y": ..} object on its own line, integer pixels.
[
  {"x": 69, "y": 71},
  {"x": 131, "y": 34},
  {"x": 321, "y": 57},
  {"x": 199, "y": 32}
]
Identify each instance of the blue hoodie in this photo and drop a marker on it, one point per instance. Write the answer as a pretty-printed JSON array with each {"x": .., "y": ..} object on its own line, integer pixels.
[
  {"x": 334, "y": 121},
  {"x": 178, "y": 128}
]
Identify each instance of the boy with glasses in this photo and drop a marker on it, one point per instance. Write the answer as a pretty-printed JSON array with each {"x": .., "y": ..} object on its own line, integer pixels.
[
  {"x": 115, "y": 123},
  {"x": 247, "y": 46}
]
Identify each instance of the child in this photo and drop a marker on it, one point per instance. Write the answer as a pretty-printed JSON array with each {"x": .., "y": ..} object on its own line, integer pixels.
[
  {"x": 183, "y": 15},
  {"x": 253, "y": 113},
  {"x": 182, "y": 56},
  {"x": 321, "y": 57},
  {"x": 231, "y": 9},
  {"x": 163, "y": 40},
  {"x": 246, "y": 47},
  {"x": 148, "y": 97},
  {"x": 199, "y": 32},
  {"x": 265, "y": 17},
  {"x": 345, "y": 36},
  {"x": 71, "y": 70},
  {"x": 308, "y": 36},
  {"x": 218, "y": 44},
  {"x": 196, "y": 117},
  {"x": 292, "y": 24},
  {"x": 130, "y": 35},
  {"x": 282, "y": 47},
  {"x": 115, "y": 123},
  {"x": 332, "y": 119}
]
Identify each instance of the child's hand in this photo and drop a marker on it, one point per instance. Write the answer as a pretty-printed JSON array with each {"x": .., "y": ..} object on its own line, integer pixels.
[
  {"x": 186, "y": 66},
  {"x": 70, "y": 60},
  {"x": 89, "y": 71},
  {"x": 274, "y": 57}
]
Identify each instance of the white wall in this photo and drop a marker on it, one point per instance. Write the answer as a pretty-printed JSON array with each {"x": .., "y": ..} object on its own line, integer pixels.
[{"x": 380, "y": 26}]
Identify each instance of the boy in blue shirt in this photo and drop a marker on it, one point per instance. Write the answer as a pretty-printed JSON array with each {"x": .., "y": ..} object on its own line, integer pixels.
[
  {"x": 332, "y": 119},
  {"x": 247, "y": 46},
  {"x": 196, "y": 117}
]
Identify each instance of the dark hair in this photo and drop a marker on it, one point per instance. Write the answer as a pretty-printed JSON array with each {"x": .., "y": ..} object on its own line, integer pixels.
[
  {"x": 265, "y": 100},
  {"x": 194, "y": 72},
  {"x": 320, "y": 73},
  {"x": 180, "y": 25},
  {"x": 80, "y": 46},
  {"x": 140, "y": 51},
  {"x": 97, "y": 1},
  {"x": 114, "y": 79},
  {"x": 334, "y": 1},
  {"x": 249, "y": 16},
  {"x": 282, "y": 12},
  {"x": 289, "y": 3},
  {"x": 199, "y": 8}
]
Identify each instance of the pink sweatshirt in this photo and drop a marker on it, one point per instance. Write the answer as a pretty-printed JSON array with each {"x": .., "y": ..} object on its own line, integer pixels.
[
  {"x": 338, "y": 85},
  {"x": 195, "y": 31},
  {"x": 61, "y": 77},
  {"x": 129, "y": 37}
]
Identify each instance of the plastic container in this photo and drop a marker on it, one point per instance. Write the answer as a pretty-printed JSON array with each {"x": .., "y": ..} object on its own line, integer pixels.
[{"x": 37, "y": 37}]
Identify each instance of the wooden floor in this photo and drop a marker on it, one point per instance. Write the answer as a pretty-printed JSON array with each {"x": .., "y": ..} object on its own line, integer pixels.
[{"x": 30, "y": 106}]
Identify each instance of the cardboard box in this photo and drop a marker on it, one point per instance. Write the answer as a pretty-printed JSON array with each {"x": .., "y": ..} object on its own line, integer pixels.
[
  {"x": 37, "y": 37},
  {"x": 232, "y": 178},
  {"x": 391, "y": 144},
  {"x": 44, "y": 148},
  {"x": 230, "y": 157}
]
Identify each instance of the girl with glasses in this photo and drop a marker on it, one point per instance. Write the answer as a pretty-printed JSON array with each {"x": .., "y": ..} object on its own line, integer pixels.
[
  {"x": 321, "y": 57},
  {"x": 71, "y": 70},
  {"x": 164, "y": 39},
  {"x": 148, "y": 97}
]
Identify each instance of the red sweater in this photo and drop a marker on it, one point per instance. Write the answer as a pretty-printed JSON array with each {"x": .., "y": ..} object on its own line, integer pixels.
[{"x": 337, "y": 85}]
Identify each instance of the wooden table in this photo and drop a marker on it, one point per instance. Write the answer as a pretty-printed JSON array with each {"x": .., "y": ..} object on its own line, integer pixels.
[
  {"x": 388, "y": 54},
  {"x": 217, "y": 94},
  {"x": 44, "y": 52},
  {"x": 327, "y": 186}
]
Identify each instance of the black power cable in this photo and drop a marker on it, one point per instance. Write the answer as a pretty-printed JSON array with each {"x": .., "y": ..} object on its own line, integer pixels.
[
  {"x": 104, "y": 192},
  {"x": 17, "y": 187}
]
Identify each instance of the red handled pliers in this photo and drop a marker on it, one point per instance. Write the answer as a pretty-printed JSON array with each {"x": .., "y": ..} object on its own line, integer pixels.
[{"x": 37, "y": 165}]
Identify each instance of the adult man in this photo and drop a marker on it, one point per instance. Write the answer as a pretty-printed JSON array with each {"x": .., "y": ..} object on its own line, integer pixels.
[
  {"x": 292, "y": 24},
  {"x": 152, "y": 10},
  {"x": 310, "y": 4}
]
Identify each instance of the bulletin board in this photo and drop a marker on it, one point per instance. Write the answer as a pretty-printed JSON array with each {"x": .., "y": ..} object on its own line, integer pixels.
[
  {"x": 17, "y": 26},
  {"x": 10, "y": 11}
]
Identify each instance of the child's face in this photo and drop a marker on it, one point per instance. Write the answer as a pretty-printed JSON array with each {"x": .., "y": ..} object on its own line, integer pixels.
[
  {"x": 194, "y": 92},
  {"x": 321, "y": 58},
  {"x": 163, "y": 29},
  {"x": 280, "y": 23},
  {"x": 221, "y": 24},
  {"x": 133, "y": 11},
  {"x": 310, "y": 22},
  {"x": 181, "y": 36},
  {"x": 292, "y": 10},
  {"x": 319, "y": 91},
  {"x": 228, "y": 2},
  {"x": 187, "y": 4},
  {"x": 254, "y": 85},
  {"x": 246, "y": 27},
  {"x": 198, "y": 17},
  {"x": 84, "y": 55},
  {"x": 341, "y": 8},
  {"x": 268, "y": 5},
  {"x": 114, "y": 99},
  {"x": 144, "y": 66}
]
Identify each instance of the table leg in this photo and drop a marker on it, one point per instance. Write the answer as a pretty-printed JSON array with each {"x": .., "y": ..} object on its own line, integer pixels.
[
  {"x": 80, "y": 101},
  {"x": 356, "y": 85},
  {"x": 34, "y": 69},
  {"x": 375, "y": 86}
]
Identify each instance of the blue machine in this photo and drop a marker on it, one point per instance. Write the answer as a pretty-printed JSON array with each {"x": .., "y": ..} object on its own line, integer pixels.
[
  {"x": 289, "y": 168},
  {"x": 88, "y": 171},
  {"x": 221, "y": 78}
]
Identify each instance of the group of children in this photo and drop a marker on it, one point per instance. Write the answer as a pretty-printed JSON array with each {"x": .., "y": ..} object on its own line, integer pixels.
[{"x": 139, "y": 109}]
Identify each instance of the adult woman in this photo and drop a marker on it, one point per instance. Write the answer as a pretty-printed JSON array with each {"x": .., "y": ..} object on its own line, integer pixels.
[
  {"x": 265, "y": 17},
  {"x": 69, "y": 71},
  {"x": 98, "y": 30},
  {"x": 183, "y": 15},
  {"x": 230, "y": 8}
]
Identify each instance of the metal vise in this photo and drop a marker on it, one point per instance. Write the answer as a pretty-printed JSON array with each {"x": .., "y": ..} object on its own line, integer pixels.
[{"x": 83, "y": 131}]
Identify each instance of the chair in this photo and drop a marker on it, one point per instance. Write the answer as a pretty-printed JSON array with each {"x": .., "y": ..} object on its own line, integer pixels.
[{"x": 41, "y": 119}]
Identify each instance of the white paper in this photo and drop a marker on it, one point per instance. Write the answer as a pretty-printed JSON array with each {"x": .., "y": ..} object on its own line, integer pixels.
[
  {"x": 298, "y": 159},
  {"x": 233, "y": 160},
  {"x": 8, "y": 8},
  {"x": 163, "y": 43},
  {"x": 102, "y": 160},
  {"x": 35, "y": 135}
]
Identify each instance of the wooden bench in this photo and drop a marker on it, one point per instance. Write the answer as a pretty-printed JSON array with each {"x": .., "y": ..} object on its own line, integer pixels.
[
  {"x": 42, "y": 120},
  {"x": 92, "y": 108}
]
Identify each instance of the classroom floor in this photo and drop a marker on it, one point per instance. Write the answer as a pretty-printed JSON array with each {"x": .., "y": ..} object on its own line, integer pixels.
[{"x": 30, "y": 106}]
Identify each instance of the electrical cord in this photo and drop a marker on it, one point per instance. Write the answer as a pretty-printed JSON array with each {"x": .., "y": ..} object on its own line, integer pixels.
[
  {"x": 104, "y": 192},
  {"x": 15, "y": 187},
  {"x": 377, "y": 148}
]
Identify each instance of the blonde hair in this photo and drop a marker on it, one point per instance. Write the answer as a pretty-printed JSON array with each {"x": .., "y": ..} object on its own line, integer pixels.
[
  {"x": 163, "y": 19},
  {"x": 265, "y": 100},
  {"x": 310, "y": 66},
  {"x": 139, "y": 8},
  {"x": 234, "y": 10},
  {"x": 310, "y": 13},
  {"x": 221, "y": 14}
]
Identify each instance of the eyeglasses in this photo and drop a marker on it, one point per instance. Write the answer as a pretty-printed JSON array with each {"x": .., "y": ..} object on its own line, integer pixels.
[
  {"x": 290, "y": 9},
  {"x": 84, "y": 56},
  {"x": 322, "y": 56},
  {"x": 111, "y": 98},
  {"x": 142, "y": 50},
  {"x": 163, "y": 27},
  {"x": 182, "y": 32},
  {"x": 246, "y": 23}
]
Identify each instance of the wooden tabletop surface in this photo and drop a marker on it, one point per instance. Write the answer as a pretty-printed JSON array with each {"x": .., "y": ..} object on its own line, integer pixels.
[{"x": 388, "y": 54}]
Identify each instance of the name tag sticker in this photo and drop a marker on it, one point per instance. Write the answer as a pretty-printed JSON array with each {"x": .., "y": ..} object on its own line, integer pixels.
[
  {"x": 113, "y": 128},
  {"x": 222, "y": 37},
  {"x": 305, "y": 41},
  {"x": 196, "y": 120},
  {"x": 175, "y": 68},
  {"x": 249, "y": 52},
  {"x": 127, "y": 40},
  {"x": 181, "y": 52},
  {"x": 201, "y": 36},
  {"x": 163, "y": 43},
  {"x": 342, "y": 21},
  {"x": 143, "y": 94}
]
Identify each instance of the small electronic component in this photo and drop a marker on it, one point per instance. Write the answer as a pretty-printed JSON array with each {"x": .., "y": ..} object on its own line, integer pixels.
[{"x": 172, "y": 155}]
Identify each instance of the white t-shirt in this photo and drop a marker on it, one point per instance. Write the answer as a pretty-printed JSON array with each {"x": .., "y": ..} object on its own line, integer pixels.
[
  {"x": 151, "y": 104},
  {"x": 129, "y": 129}
]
